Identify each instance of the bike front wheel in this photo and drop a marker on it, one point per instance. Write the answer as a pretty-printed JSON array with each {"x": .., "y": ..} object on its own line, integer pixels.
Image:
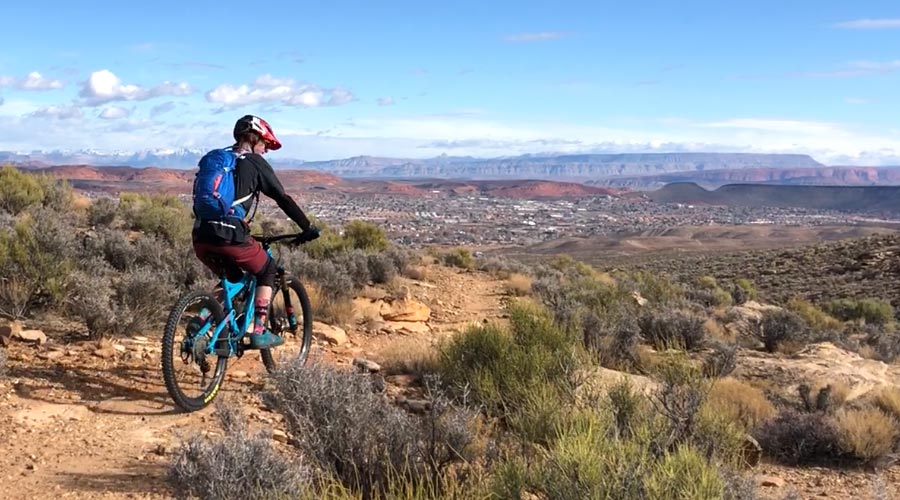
[
  {"x": 290, "y": 300},
  {"x": 192, "y": 376}
]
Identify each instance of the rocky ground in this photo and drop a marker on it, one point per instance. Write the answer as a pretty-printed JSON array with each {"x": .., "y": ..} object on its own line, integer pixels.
[{"x": 81, "y": 419}]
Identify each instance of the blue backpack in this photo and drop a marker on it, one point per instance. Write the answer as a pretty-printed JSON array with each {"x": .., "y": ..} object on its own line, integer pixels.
[{"x": 214, "y": 187}]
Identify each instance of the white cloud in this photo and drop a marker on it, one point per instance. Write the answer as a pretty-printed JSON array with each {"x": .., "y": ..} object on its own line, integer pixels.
[
  {"x": 269, "y": 89},
  {"x": 535, "y": 37},
  {"x": 114, "y": 113},
  {"x": 858, "y": 69},
  {"x": 36, "y": 81},
  {"x": 870, "y": 24},
  {"x": 32, "y": 81},
  {"x": 58, "y": 112},
  {"x": 103, "y": 86},
  {"x": 386, "y": 101},
  {"x": 856, "y": 101}
]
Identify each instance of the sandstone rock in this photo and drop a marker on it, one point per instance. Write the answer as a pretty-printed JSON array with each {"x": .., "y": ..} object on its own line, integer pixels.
[
  {"x": 332, "y": 334},
  {"x": 816, "y": 363},
  {"x": 745, "y": 315},
  {"x": 9, "y": 331},
  {"x": 280, "y": 436},
  {"x": 367, "y": 309},
  {"x": 405, "y": 310},
  {"x": 51, "y": 355},
  {"x": 599, "y": 380},
  {"x": 30, "y": 336},
  {"x": 106, "y": 353},
  {"x": 406, "y": 327},
  {"x": 366, "y": 365}
]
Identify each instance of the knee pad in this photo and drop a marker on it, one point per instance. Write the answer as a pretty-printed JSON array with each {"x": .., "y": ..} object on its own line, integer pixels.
[{"x": 266, "y": 276}]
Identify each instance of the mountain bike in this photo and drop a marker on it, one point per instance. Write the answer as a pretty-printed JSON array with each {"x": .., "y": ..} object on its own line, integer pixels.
[{"x": 187, "y": 364}]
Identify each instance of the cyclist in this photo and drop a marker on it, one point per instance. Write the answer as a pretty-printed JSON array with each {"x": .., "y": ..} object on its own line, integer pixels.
[{"x": 226, "y": 247}]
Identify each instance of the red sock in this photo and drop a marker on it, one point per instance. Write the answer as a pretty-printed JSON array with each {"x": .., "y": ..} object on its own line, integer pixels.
[{"x": 262, "y": 309}]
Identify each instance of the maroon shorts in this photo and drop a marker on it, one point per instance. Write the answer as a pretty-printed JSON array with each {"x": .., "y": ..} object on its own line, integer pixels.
[{"x": 232, "y": 260}]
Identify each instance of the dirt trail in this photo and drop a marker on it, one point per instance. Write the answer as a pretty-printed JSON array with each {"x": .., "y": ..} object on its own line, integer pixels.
[{"x": 75, "y": 423}]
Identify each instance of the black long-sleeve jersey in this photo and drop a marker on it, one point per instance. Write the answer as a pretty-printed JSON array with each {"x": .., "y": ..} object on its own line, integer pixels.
[{"x": 253, "y": 175}]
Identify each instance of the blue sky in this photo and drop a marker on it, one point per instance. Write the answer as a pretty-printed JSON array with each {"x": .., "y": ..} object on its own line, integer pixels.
[{"x": 419, "y": 79}]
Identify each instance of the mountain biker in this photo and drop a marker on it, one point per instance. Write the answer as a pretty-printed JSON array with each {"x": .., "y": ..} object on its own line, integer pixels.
[{"x": 225, "y": 245}]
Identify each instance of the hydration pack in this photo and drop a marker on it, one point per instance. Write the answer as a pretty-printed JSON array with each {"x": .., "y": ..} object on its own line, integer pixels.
[{"x": 214, "y": 187}]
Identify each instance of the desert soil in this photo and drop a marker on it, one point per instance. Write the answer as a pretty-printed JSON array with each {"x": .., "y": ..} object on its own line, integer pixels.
[{"x": 83, "y": 421}]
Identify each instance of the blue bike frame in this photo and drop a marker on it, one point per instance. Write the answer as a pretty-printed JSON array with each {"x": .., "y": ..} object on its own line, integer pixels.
[{"x": 232, "y": 290}]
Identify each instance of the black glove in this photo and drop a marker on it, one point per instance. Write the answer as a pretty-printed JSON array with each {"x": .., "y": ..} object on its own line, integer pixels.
[{"x": 308, "y": 234}]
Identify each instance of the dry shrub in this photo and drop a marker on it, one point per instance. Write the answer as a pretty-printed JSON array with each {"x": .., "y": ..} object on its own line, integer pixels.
[
  {"x": 742, "y": 402},
  {"x": 2, "y": 363},
  {"x": 419, "y": 273},
  {"x": 518, "y": 284},
  {"x": 672, "y": 329},
  {"x": 795, "y": 438},
  {"x": 869, "y": 352},
  {"x": 888, "y": 400},
  {"x": 716, "y": 331},
  {"x": 350, "y": 431},
  {"x": 866, "y": 434},
  {"x": 239, "y": 465},
  {"x": 334, "y": 311},
  {"x": 838, "y": 392},
  {"x": 825, "y": 397},
  {"x": 721, "y": 361},
  {"x": 408, "y": 356}
]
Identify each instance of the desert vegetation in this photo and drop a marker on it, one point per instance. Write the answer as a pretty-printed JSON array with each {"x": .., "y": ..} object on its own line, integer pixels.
[{"x": 116, "y": 265}]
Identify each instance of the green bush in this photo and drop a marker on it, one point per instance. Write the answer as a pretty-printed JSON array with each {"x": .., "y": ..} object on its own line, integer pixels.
[
  {"x": 779, "y": 326},
  {"x": 744, "y": 290},
  {"x": 672, "y": 329},
  {"x": 871, "y": 311},
  {"x": 102, "y": 212},
  {"x": 505, "y": 370},
  {"x": 685, "y": 474},
  {"x": 18, "y": 190},
  {"x": 816, "y": 318},
  {"x": 328, "y": 245},
  {"x": 35, "y": 262},
  {"x": 365, "y": 236},
  {"x": 460, "y": 257},
  {"x": 658, "y": 290},
  {"x": 160, "y": 215},
  {"x": 57, "y": 194}
]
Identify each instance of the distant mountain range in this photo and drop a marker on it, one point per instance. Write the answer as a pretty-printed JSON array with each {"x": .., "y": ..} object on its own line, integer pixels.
[
  {"x": 817, "y": 176},
  {"x": 849, "y": 198},
  {"x": 631, "y": 170}
]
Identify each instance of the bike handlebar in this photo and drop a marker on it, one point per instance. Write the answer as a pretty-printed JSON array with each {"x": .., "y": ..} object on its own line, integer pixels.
[{"x": 297, "y": 237}]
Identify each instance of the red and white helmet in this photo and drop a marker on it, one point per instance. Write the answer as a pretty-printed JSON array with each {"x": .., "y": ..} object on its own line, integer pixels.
[{"x": 250, "y": 123}]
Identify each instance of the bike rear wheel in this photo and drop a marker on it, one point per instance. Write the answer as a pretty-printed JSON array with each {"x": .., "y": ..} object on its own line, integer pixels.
[
  {"x": 291, "y": 298},
  {"x": 192, "y": 377}
]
